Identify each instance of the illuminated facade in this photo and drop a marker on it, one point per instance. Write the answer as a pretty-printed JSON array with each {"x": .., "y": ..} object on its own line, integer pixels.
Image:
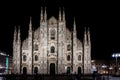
[{"x": 51, "y": 48}]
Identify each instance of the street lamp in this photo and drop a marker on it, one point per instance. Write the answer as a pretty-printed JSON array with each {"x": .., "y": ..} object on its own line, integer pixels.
[{"x": 116, "y": 55}]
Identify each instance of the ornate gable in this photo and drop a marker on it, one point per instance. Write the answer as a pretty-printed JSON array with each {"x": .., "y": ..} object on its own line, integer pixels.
[{"x": 52, "y": 21}]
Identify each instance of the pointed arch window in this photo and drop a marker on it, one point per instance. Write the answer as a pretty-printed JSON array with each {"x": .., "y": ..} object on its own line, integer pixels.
[
  {"x": 35, "y": 47},
  {"x": 24, "y": 57},
  {"x": 52, "y": 34},
  {"x": 52, "y": 49},
  {"x": 79, "y": 57},
  {"x": 36, "y": 58},
  {"x": 68, "y": 57},
  {"x": 68, "y": 47}
]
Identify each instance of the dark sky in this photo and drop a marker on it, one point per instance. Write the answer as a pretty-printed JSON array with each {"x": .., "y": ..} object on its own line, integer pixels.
[{"x": 103, "y": 19}]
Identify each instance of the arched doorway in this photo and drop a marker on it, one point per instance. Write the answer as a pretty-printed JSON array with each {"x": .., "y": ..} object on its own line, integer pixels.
[
  {"x": 52, "y": 69},
  {"x": 79, "y": 70},
  {"x": 68, "y": 70},
  {"x": 35, "y": 70},
  {"x": 24, "y": 70}
]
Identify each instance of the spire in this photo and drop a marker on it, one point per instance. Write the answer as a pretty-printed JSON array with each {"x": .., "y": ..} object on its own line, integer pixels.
[
  {"x": 14, "y": 49},
  {"x": 18, "y": 51},
  {"x": 30, "y": 24},
  {"x": 85, "y": 37},
  {"x": 45, "y": 15},
  {"x": 63, "y": 14},
  {"x": 59, "y": 14},
  {"x": 15, "y": 34},
  {"x": 88, "y": 34},
  {"x": 41, "y": 17},
  {"x": 18, "y": 34},
  {"x": 74, "y": 25}
]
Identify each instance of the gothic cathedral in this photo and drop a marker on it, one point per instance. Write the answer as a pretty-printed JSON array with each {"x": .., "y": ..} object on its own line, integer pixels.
[{"x": 51, "y": 48}]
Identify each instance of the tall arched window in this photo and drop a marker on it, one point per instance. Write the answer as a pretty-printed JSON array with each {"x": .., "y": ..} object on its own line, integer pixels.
[
  {"x": 35, "y": 47},
  {"x": 35, "y": 70},
  {"x": 36, "y": 58},
  {"x": 24, "y": 57},
  {"x": 79, "y": 57},
  {"x": 68, "y": 47},
  {"x": 52, "y": 49},
  {"x": 52, "y": 34},
  {"x": 68, "y": 57}
]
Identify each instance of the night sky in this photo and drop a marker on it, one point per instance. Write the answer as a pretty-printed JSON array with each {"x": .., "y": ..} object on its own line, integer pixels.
[{"x": 103, "y": 19}]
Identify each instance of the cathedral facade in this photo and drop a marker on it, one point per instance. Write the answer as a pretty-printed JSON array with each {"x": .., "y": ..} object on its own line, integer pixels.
[{"x": 51, "y": 48}]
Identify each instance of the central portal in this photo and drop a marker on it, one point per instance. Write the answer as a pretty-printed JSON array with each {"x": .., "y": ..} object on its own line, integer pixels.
[{"x": 52, "y": 69}]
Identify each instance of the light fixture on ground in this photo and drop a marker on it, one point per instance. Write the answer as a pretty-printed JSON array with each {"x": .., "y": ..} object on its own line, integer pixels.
[
  {"x": 104, "y": 69},
  {"x": 116, "y": 55},
  {"x": 110, "y": 70}
]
